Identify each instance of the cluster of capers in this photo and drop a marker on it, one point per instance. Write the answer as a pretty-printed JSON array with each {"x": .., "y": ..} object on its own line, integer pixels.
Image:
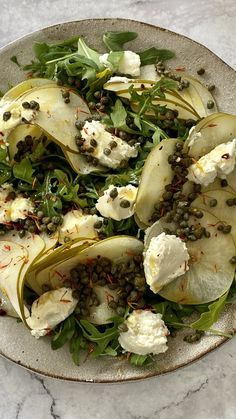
[
  {"x": 175, "y": 206},
  {"x": 24, "y": 147},
  {"x": 100, "y": 102},
  {"x": 38, "y": 222},
  {"x": 126, "y": 279}
]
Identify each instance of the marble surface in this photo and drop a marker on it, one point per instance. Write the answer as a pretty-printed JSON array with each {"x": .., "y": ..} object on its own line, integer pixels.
[{"x": 205, "y": 389}]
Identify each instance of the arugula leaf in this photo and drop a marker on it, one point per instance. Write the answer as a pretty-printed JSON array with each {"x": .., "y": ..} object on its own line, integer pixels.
[
  {"x": 140, "y": 360},
  {"x": 5, "y": 173},
  {"x": 208, "y": 318},
  {"x": 114, "y": 58},
  {"x": 24, "y": 170},
  {"x": 118, "y": 115},
  {"x": 64, "y": 334},
  {"x": 153, "y": 55},
  {"x": 91, "y": 54},
  {"x": 3, "y": 153},
  {"x": 102, "y": 340},
  {"x": 114, "y": 41},
  {"x": 77, "y": 343}
]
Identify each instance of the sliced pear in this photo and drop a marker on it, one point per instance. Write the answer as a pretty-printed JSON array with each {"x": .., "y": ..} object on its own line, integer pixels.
[
  {"x": 212, "y": 131},
  {"x": 16, "y": 258},
  {"x": 173, "y": 99},
  {"x": 195, "y": 94},
  {"x": 210, "y": 272},
  {"x": 46, "y": 273},
  {"x": 79, "y": 163},
  {"x": 157, "y": 228},
  {"x": 56, "y": 117},
  {"x": 225, "y": 214},
  {"x": 24, "y": 86},
  {"x": 156, "y": 174},
  {"x": 102, "y": 313},
  {"x": 18, "y": 134},
  {"x": 13, "y": 257}
]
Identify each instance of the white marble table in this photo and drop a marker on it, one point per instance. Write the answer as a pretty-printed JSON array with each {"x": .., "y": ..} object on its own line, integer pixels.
[{"x": 205, "y": 389}]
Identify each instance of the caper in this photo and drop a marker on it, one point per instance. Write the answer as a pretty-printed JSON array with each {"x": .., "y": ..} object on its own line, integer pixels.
[
  {"x": 233, "y": 260},
  {"x": 227, "y": 229},
  {"x": 211, "y": 87},
  {"x": 213, "y": 202},
  {"x": 65, "y": 94},
  {"x": 25, "y": 105},
  {"x": 230, "y": 202},
  {"x": 114, "y": 193},
  {"x": 223, "y": 183},
  {"x": 167, "y": 195},
  {"x": 34, "y": 105},
  {"x": 51, "y": 227},
  {"x": 93, "y": 142},
  {"x": 201, "y": 71},
  {"x": 220, "y": 227},
  {"x": 6, "y": 116},
  {"x": 192, "y": 237},
  {"x": 98, "y": 224},
  {"x": 207, "y": 234},
  {"x": 113, "y": 144},
  {"x": 125, "y": 203},
  {"x": 210, "y": 104},
  {"x": 107, "y": 151},
  {"x": 97, "y": 95}
]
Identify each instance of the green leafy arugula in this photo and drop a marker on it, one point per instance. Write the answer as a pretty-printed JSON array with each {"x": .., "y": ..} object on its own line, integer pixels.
[
  {"x": 105, "y": 342},
  {"x": 24, "y": 171},
  {"x": 173, "y": 315},
  {"x": 140, "y": 360},
  {"x": 115, "y": 41},
  {"x": 153, "y": 55}
]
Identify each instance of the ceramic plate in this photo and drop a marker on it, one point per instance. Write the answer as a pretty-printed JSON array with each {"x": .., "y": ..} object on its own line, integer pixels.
[{"x": 16, "y": 343}]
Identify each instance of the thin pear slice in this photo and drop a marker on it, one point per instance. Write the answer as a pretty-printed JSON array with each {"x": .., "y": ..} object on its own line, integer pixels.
[
  {"x": 24, "y": 86},
  {"x": 157, "y": 228},
  {"x": 173, "y": 99},
  {"x": 195, "y": 94},
  {"x": 18, "y": 134},
  {"x": 102, "y": 313},
  {"x": 199, "y": 94},
  {"x": 79, "y": 163},
  {"x": 46, "y": 273},
  {"x": 225, "y": 214},
  {"x": 13, "y": 257},
  {"x": 216, "y": 129},
  {"x": 210, "y": 272},
  {"x": 156, "y": 174},
  {"x": 56, "y": 117}
]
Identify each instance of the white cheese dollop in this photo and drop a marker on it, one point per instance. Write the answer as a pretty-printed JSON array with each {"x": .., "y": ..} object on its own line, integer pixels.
[
  {"x": 119, "y": 79},
  {"x": 13, "y": 209},
  {"x": 75, "y": 224},
  {"x": 18, "y": 116},
  {"x": 146, "y": 334},
  {"x": 111, "y": 207},
  {"x": 50, "y": 309},
  {"x": 219, "y": 162},
  {"x": 129, "y": 63},
  {"x": 165, "y": 259},
  {"x": 119, "y": 153}
]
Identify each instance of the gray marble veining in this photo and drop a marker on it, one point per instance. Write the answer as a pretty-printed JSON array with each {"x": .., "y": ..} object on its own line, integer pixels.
[{"x": 205, "y": 389}]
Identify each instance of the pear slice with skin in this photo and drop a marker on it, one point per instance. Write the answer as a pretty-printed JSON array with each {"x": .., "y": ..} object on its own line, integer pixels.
[
  {"x": 18, "y": 134},
  {"x": 24, "y": 86},
  {"x": 156, "y": 174},
  {"x": 209, "y": 133},
  {"x": 225, "y": 214},
  {"x": 46, "y": 274},
  {"x": 56, "y": 117},
  {"x": 210, "y": 272}
]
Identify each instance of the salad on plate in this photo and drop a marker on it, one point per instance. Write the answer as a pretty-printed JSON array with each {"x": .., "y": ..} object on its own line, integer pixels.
[{"x": 117, "y": 200}]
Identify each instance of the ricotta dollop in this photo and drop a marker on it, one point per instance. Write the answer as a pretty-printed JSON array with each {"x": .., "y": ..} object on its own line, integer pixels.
[
  {"x": 146, "y": 334},
  {"x": 165, "y": 259},
  {"x": 218, "y": 162}
]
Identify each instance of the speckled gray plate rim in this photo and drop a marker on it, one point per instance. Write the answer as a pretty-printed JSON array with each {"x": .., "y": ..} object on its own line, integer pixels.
[{"x": 16, "y": 344}]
